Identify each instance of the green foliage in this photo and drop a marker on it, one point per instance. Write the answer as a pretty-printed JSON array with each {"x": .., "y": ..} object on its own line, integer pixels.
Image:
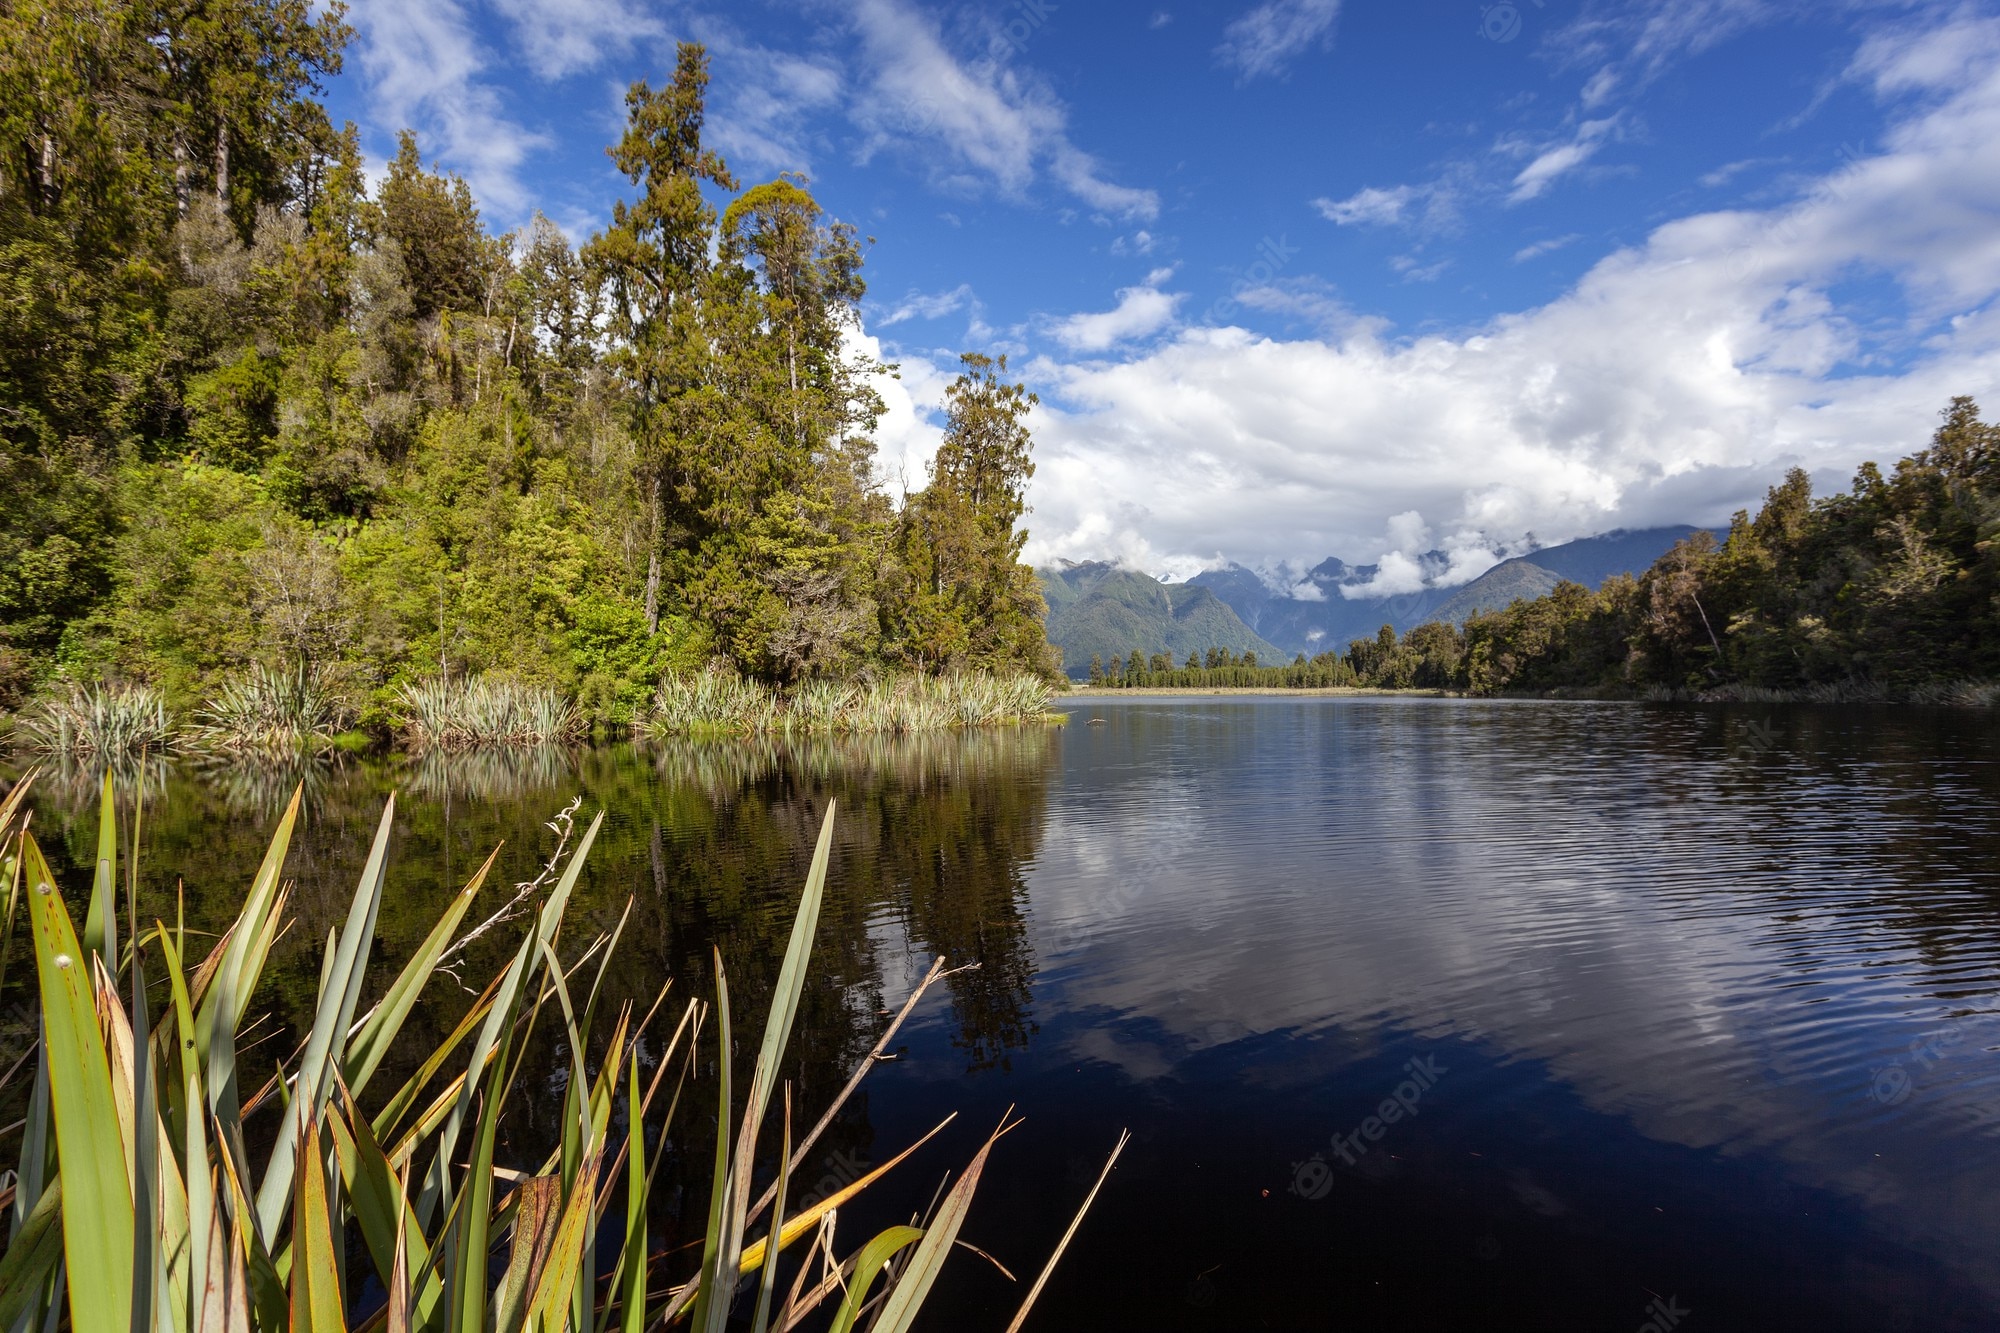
[
  {"x": 455, "y": 714},
  {"x": 955, "y": 593},
  {"x": 721, "y": 703},
  {"x": 275, "y": 710},
  {"x": 107, "y": 720},
  {"x": 253, "y": 419},
  {"x": 1892, "y": 588}
]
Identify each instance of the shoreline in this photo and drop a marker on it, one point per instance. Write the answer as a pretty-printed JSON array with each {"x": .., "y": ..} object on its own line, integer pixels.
[{"x": 1318, "y": 691}]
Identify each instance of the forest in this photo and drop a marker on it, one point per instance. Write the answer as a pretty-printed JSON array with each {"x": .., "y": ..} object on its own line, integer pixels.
[
  {"x": 1890, "y": 590},
  {"x": 259, "y": 420}
]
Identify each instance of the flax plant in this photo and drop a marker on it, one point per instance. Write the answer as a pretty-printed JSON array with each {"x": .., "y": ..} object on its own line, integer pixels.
[{"x": 139, "y": 1205}]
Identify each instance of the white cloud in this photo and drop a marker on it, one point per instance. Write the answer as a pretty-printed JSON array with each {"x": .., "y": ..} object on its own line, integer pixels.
[
  {"x": 1431, "y": 207},
  {"x": 1371, "y": 206},
  {"x": 556, "y": 38},
  {"x": 1631, "y": 44},
  {"x": 1555, "y": 162},
  {"x": 1141, "y": 242},
  {"x": 1415, "y": 270},
  {"x": 421, "y": 65},
  {"x": 935, "y": 305},
  {"x": 1676, "y": 380},
  {"x": 1729, "y": 171},
  {"x": 764, "y": 103},
  {"x": 1140, "y": 312},
  {"x": 996, "y": 126},
  {"x": 1550, "y": 246},
  {"x": 906, "y": 438},
  {"x": 1268, "y": 38}
]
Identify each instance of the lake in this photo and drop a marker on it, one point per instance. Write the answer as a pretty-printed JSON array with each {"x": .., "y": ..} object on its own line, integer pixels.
[{"x": 1424, "y": 1014}]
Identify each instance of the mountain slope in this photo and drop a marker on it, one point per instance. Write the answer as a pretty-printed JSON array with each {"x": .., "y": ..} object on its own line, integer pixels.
[
  {"x": 1098, "y": 608},
  {"x": 1327, "y": 619},
  {"x": 1592, "y": 560},
  {"x": 1499, "y": 587}
]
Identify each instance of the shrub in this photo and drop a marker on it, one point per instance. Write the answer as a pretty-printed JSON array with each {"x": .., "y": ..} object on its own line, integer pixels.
[
  {"x": 286, "y": 708},
  {"x": 457, "y": 714},
  {"x": 103, "y": 720}
]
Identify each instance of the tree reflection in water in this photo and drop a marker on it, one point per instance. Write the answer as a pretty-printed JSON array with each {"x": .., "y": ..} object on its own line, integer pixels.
[{"x": 709, "y": 841}]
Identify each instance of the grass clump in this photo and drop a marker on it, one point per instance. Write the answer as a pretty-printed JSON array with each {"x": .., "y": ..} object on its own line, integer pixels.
[
  {"x": 719, "y": 703},
  {"x": 445, "y": 714},
  {"x": 1959, "y": 693},
  {"x": 712, "y": 702},
  {"x": 104, "y": 721},
  {"x": 274, "y": 709}
]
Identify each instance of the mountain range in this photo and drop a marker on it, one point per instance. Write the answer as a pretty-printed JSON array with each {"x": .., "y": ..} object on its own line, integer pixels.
[{"x": 1105, "y": 610}]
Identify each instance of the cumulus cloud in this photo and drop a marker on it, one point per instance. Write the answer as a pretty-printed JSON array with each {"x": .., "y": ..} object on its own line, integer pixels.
[
  {"x": 1140, "y": 312},
  {"x": 979, "y": 124},
  {"x": 906, "y": 437},
  {"x": 1268, "y": 38},
  {"x": 1672, "y": 383}
]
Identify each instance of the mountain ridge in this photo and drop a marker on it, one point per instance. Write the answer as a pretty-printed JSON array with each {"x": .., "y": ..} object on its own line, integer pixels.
[{"x": 1097, "y": 607}]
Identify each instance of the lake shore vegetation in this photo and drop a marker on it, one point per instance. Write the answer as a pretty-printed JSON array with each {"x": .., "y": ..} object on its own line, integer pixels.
[
  {"x": 161, "y": 1188},
  {"x": 262, "y": 421}
]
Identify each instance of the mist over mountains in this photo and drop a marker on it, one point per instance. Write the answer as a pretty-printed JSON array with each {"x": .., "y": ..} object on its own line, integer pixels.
[{"x": 1096, "y": 608}]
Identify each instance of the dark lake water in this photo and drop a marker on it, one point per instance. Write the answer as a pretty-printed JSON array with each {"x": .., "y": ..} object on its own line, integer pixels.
[{"x": 1424, "y": 1014}]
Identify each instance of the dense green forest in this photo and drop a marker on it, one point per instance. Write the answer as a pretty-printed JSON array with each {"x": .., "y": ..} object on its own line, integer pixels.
[
  {"x": 253, "y": 413},
  {"x": 1891, "y": 589}
]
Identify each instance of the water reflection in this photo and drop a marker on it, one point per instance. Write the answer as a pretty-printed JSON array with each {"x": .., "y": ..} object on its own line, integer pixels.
[
  {"x": 709, "y": 842},
  {"x": 1711, "y": 995},
  {"x": 1702, "y": 974},
  {"x": 495, "y": 773}
]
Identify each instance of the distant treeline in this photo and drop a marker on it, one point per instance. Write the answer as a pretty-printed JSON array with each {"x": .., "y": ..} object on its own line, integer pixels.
[
  {"x": 1891, "y": 589},
  {"x": 1425, "y": 658}
]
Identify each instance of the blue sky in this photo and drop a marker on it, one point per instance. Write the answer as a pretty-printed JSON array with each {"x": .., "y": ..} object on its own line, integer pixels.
[{"x": 1304, "y": 277}]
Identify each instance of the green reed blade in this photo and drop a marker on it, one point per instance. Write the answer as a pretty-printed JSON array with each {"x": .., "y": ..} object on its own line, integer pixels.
[
  {"x": 761, "y": 1320},
  {"x": 100, "y": 922},
  {"x": 380, "y": 1209},
  {"x": 200, "y": 1185},
  {"x": 437, "y": 1184},
  {"x": 146, "y": 1256},
  {"x": 31, "y": 1257},
  {"x": 867, "y": 1264},
  {"x": 339, "y": 995},
  {"x": 630, "y": 1280},
  {"x": 316, "y": 1304},
  {"x": 907, "y": 1296},
  {"x": 379, "y": 1030},
  {"x": 90, "y": 1143},
  {"x": 711, "y": 1303}
]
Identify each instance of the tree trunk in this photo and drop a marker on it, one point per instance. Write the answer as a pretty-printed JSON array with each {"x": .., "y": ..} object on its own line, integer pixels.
[
  {"x": 222, "y": 165},
  {"x": 182, "y": 188},
  {"x": 653, "y": 566}
]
